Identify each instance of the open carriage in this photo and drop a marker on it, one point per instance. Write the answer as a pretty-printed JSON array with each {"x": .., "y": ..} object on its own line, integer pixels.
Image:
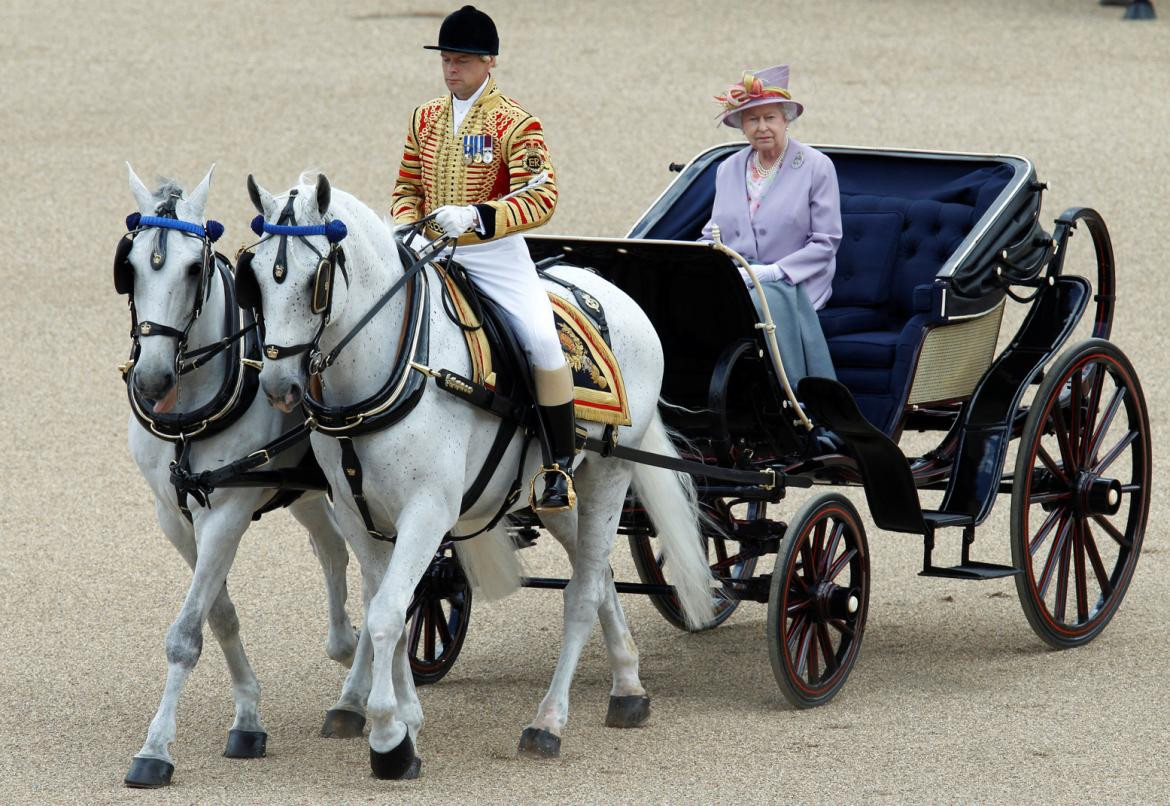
[{"x": 935, "y": 246}]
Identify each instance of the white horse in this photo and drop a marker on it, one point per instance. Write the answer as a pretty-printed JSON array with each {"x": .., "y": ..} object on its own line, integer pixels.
[
  {"x": 414, "y": 472},
  {"x": 166, "y": 271}
]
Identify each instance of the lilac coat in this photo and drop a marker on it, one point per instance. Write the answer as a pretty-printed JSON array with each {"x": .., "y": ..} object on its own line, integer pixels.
[{"x": 798, "y": 223}]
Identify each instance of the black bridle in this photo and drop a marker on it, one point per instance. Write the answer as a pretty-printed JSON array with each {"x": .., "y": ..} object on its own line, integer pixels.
[
  {"x": 321, "y": 302},
  {"x": 164, "y": 222}
]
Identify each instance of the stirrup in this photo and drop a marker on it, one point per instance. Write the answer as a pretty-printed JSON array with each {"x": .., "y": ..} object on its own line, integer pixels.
[{"x": 568, "y": 484}]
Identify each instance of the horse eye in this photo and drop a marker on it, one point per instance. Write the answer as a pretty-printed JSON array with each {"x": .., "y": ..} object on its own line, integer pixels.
[{"x": 193, "y": 269}]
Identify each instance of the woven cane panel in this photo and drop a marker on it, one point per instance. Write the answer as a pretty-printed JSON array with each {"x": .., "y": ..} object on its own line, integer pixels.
[{"x": 954, "y": 358}]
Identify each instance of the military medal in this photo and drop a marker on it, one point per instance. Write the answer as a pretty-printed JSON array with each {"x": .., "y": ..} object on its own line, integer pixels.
[{"x": 477, "y": 148}]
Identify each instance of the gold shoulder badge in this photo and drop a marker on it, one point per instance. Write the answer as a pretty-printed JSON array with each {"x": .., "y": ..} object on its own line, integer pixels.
[{"x": 533, "y": 159}]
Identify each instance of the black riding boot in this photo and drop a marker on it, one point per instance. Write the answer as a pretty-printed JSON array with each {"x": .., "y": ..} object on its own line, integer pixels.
[{"x": 558, "y": 427}]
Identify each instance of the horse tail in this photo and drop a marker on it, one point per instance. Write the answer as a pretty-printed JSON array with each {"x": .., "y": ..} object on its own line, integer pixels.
[
  {"x": 490, "y": 563},
  {"x": 673, "y": 506}
]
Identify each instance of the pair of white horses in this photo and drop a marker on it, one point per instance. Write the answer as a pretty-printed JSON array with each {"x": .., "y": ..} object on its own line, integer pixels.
[{"x": 415, "y": 473}]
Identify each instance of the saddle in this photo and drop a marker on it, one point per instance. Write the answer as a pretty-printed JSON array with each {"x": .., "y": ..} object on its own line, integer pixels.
[{"x": 499, "y": 364}]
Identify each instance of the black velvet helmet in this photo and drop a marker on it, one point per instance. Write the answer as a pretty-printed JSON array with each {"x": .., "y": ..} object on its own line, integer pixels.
[{"x": 468, "y": 30}]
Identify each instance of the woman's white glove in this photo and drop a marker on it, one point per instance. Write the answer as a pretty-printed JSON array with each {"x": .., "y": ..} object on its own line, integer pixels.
[
  {"x": 765, "y": 272},
  {"x": 454, "y": 221}
]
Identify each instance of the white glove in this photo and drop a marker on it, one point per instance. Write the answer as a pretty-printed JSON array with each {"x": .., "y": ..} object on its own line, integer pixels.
[
  {"x": 765, "y": 272},
  {"x": 454, "y": 221}
]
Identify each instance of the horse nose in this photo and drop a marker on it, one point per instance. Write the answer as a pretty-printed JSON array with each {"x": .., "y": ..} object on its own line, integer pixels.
[
  {"x": 287, "y": 401},
  {"x": 155, "y": 385}
]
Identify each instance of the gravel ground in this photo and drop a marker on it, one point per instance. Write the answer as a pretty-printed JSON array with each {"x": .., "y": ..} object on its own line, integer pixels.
[{"x": 953, "y": 700}]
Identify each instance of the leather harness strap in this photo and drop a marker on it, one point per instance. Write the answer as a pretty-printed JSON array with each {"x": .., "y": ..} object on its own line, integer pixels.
[{"x": 352, "y": 467}]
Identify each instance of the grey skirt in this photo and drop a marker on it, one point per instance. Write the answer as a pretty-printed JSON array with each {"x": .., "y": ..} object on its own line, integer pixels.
[{"x": 798, "y": 331}]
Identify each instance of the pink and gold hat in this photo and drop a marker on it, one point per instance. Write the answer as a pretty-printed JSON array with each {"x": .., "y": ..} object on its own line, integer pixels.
[{"x": 756, "y": 88}]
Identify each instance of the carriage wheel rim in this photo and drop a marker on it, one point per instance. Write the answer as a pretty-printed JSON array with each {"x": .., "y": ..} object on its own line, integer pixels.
[
  {"x": 810, "y": 621},
  {"x": 1072, "y": 543}
]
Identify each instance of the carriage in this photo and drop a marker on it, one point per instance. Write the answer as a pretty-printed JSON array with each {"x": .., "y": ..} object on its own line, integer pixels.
[{"x": 935, "y": 247}]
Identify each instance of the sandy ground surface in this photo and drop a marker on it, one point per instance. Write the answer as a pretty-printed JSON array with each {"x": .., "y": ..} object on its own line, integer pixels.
[{"x": 954, "y": 699}]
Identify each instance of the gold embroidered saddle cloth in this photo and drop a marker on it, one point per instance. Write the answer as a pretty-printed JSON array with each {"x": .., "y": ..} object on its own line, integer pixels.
[{"x": 599, "y": 394}]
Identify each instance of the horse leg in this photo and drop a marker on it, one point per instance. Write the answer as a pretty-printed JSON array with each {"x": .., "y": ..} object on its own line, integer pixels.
[
  {"x": 347, "y": 718},
  {"x": 392, "y": 699},
  {"x": 602, "y": 490},
  {"x": 219, "y": 535},
  {"x": 329, "y": 546},
  {"x": 629, "y": 707}
]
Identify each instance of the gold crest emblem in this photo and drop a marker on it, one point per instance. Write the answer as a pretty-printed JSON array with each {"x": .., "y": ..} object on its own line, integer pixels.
[
  {"x": 576, "y": 356},
  {"x": 272, "y": 352},
  {"x": 144, "y": 328},
  {"x": 533, "y": 159}
]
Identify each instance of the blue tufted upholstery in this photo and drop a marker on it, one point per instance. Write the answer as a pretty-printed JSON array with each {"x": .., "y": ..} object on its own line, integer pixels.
[{"x": 892, "y": 248}]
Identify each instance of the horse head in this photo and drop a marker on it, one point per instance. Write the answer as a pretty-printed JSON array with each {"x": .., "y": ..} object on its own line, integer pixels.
[
  {"x": 296, "y": 276},
  {"x": 163, "y": 264}
]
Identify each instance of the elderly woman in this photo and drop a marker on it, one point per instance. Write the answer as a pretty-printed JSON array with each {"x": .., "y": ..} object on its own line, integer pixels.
[{"x": 777, "y": 204}]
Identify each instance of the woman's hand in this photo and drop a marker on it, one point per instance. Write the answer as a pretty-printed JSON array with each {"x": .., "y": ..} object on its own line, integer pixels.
[{"x": 765, "y": 272}]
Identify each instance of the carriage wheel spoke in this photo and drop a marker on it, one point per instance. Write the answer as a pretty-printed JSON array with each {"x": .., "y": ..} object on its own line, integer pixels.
[
  {"x": 415, "y": 632},
  {"x": 1106, "y": 421},
  {"x": 827, "y": 650},
  {"x": 1052, "y": 466},
  {"x": 1049, "y": 497},
  {"x": 840, "y": 564},
  {"x": 1053, "y": 553},
  {"x": 1044, "y": 530},
  {"x": 814, "y": 666},
  {"x": 831, "y": 551},
  {"x": 1114, "y": 452},
  {"x": 840, "y": 626},
  {"x": 1074, "y": 413},
  {"x": 1095, "y": 561},
  {"x": 1062, "y": 574},
  {"x": 415, "y": 601},
  {"x": 794, "y": 632},
  {"x": 1091, "y": 410},
  {"x": 798, "y": 607},
  {"x": 1067, "y": 457},
  {"x": 429, "y": 634},
  {"x": 808, "y": 553},
  {"x": 802, "y": 655},
  {"x": 720, "y": 552},
  {"x": 444, "y": 627},
  {"x": 1112, "y": 531},
  {"x": 1080, "y": 571},
  {"x": 1130, "y": 488}
]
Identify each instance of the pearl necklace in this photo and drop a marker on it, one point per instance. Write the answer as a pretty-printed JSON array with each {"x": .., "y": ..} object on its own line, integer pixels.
[{"x": 766, "y": 173}]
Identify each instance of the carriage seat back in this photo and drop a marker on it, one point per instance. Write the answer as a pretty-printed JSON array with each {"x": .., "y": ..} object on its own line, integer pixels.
[{"x": 892, "y": 248}]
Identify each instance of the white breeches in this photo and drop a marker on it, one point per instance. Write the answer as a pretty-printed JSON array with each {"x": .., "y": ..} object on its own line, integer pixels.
[{"x": 503, "y": 270}]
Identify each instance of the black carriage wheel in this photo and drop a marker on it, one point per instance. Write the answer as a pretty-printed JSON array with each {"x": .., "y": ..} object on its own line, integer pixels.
[
  {"x": 1080, "y": 493},
  {"x": 819, "y": 600},
  {"x": 438, "y": 616},
  {"x": 726, "y": 562}
]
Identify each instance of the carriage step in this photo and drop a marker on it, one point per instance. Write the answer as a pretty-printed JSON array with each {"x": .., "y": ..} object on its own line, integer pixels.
[
  {"x": 970, "y": 570},
  {"x": 938, "y": 520}
]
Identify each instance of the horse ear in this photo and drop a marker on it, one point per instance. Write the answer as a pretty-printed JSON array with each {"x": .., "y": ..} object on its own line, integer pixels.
[
  {"x": 261, "y": 199},
  {"x": 323, "y": 193},
  {"x": 197, "y": 200},
  {"x": 142, "y": 196}
]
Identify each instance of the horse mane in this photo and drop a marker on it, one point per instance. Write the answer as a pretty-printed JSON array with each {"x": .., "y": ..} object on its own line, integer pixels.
[
  {"x": 307, "y": 189},
  {"x": 167, "y": 187}
]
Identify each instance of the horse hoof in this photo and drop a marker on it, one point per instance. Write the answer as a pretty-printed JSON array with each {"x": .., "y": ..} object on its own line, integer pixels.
[
  {"x": 246, "y": 744},
  {"x": 400, "y": 764},
  {"x": 536, "y": 743},
  {"x": 627, "y": 712},
  {"x": 149, "y": 773},
  {"x": 342, "y": 724}
]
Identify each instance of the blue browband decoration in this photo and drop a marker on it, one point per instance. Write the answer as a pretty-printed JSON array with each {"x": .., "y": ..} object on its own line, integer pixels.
[
  {"x": 211, "y": 232},
  {"x": 333, "y": 231}
]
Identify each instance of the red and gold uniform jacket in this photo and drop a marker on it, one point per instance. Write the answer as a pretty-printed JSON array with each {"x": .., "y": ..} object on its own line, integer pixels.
[{"x": 498, "y": 150}]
